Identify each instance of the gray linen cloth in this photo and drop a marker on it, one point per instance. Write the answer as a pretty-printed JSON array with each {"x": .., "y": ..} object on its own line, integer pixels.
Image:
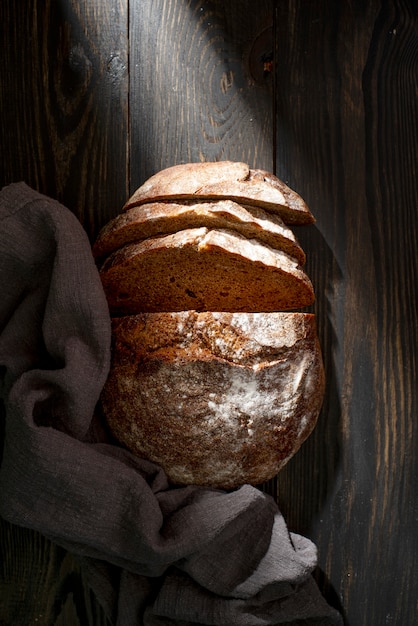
[{"x": 155, "y": 554}]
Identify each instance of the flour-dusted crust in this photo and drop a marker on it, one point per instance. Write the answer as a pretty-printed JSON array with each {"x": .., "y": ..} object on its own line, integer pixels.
[
  {"x": 217, "y": 399},
  {"x": 205, "y": 270},
  {"x": 221, "y": 180},
  {"x": 162, "y": 218}
]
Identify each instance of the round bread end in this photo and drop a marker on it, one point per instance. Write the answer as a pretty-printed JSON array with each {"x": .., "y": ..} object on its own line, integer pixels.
[{"x": 216, "y": 399}]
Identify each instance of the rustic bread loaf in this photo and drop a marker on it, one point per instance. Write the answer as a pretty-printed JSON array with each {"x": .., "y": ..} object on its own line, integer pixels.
[
  {"x": 217, "y": 399},
  {"x": 205, "y": 270},
  {"x": 224, "y": 180},
  {"x": 161, "y": 218}
]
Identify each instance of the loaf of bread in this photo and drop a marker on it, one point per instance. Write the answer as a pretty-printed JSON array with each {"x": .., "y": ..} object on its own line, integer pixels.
[
  {"x": 163, "y": 218},
  {"x": 217, "y": 399},
  {"x": 205, "y": 270},
  {"x": 213, "y": 375},
  {"x": 224, "y": 180}
]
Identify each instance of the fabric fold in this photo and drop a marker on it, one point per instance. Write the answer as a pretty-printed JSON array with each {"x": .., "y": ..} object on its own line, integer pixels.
[{"x": 185, "y": 555}]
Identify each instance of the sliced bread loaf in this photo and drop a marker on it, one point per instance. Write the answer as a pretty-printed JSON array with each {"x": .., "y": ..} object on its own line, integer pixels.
[
  {"x": 220, "y": 180},
  {"x": 160, "y": 218},
  {"x": 205, "y": 270}
]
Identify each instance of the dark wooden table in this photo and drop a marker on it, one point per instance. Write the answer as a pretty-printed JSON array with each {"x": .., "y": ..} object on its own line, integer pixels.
[{"x": 97, "y": 96}]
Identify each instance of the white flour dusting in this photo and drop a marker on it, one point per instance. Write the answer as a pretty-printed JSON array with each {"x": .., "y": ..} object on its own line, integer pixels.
[{"x": 243, "y": 400}]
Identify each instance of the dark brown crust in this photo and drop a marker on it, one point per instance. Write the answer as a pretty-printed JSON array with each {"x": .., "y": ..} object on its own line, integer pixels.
[
  {"x": 217, "y": 399},
  {"x": 293, "y": 199}
]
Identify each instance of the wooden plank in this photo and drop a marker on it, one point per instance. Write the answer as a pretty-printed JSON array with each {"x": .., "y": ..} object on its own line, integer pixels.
[
  {"x": 64, "y": 130},
  {"x": 193, "y": 96},
  {"x": 347, "y": 141},
  {"x": 64, "y": 103}
]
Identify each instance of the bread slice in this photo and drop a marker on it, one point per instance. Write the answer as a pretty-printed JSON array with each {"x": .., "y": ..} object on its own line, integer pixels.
[
  {"x": 159, "y": 218},
  {"x": 217, "y": 399},
  {"x": 221, "y": 180},
  {"x": 204, "y": 270}
]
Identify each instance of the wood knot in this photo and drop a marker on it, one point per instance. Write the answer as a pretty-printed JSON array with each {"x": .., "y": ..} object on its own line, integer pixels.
[
  {"x": 261, "y": 61},
  {"x": 227, "y": 80}
]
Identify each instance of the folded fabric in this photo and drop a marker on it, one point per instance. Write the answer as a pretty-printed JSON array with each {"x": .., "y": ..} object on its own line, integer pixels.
[{"x": 155, "y": 554}]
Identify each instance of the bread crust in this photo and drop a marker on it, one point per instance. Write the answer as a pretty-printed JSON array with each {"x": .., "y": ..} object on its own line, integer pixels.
[
  {"x": 217, "y": 399},
  {"x": 220, "y": 180},
  {"x": 162, "y": 218}
]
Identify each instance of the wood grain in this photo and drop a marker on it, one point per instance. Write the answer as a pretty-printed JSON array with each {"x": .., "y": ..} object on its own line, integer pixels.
[
  {"x": 64, "y": 103},
  {"x": 64, "y": 122},
  {"x": 347, "y": 140},
  {"x": 193, "y": 96}
]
